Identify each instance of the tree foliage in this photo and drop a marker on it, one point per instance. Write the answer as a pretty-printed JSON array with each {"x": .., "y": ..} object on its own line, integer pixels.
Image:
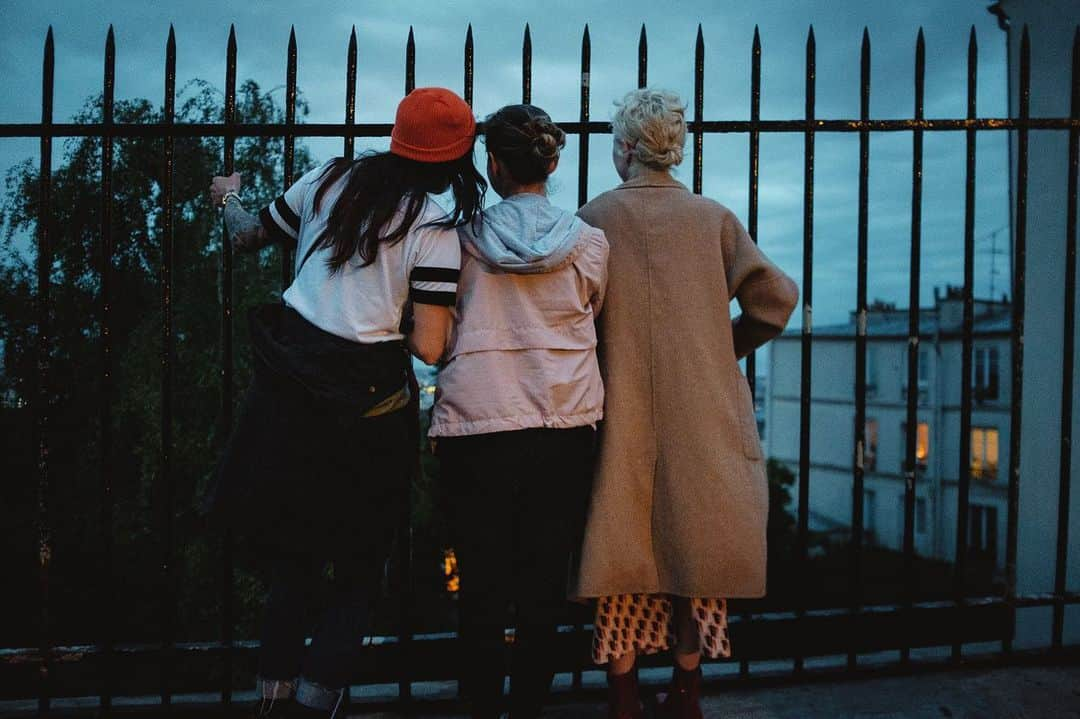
[{"x": 134, "y": 596}]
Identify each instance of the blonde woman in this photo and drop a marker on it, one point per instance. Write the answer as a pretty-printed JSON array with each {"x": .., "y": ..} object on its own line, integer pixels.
[{"x": 677, "y": 518}]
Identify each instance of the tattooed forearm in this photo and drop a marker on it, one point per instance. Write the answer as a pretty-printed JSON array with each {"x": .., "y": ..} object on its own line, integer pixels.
[{"x": 244, "y": 228}]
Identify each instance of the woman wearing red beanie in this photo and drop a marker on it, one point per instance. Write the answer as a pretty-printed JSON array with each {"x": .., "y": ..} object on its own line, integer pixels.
[{"x": 316, "y": 470}]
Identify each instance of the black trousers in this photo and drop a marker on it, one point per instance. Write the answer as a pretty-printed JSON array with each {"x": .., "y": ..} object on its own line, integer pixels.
[
  {"x": 364, "y": 511},
  {"x": 518, "y": 502}
]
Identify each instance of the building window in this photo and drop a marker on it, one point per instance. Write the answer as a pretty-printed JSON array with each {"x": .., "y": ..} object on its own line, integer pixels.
[
  {"x": 923, "y": 374},
  {"x": 922, "y": 446},
  {"x": 869, "y": 508},
  {"x": 920, "y": 515},
  {"x": 984, "y": 453},
  {"x": 982, "y": 531},
  {"x": 985, "y": 373},
  {"x": 871, "y": 371},
  {"x": 870, "y": 450}
]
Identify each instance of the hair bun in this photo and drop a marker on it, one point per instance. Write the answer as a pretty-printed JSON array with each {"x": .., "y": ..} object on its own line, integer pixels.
[{"x": 546, "y": 146}]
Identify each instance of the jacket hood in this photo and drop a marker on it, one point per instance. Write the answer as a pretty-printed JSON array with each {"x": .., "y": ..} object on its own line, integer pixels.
[{"x": 524, "y": 234}]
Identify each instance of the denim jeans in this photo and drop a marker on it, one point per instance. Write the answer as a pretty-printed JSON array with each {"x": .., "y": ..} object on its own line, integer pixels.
[{"x": 339, "y": 632}]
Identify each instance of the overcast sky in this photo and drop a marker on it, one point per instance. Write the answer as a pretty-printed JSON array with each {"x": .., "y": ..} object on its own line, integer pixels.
[{"x": 322, "y": 30}]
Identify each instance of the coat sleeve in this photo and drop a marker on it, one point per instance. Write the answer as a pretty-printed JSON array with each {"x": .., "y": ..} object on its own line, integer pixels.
[{"x": 766, "y": 295}]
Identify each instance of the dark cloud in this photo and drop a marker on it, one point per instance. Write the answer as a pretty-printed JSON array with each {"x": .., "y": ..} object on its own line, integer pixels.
[{"x": 322, "y": 30}]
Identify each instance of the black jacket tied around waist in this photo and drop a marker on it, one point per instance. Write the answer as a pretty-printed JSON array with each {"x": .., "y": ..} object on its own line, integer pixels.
[{"x": 300, "y": 464}]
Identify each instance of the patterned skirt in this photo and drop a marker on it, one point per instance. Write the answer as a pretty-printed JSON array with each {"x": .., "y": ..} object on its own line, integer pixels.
[{"x": 644, "y": 624}]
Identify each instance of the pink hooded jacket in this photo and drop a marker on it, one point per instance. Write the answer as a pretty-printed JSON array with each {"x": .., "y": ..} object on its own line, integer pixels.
[{"x": 523, "y": 351}]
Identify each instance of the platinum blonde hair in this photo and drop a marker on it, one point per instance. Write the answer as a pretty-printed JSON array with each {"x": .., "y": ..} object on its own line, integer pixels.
[{"x": 654, "y": 122}]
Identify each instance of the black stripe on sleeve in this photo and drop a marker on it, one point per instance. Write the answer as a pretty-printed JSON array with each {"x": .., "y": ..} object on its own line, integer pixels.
[
  {"x": 273, "y": 229},
  {"x": 287, "y": 214},
  {"x": 434, "y": 274},
  {"x": 428, "y": 297}
]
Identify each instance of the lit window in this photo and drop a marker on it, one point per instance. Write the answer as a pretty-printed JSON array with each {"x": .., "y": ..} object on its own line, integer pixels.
[
  {"x": 984, "y": 452},
  {"x": 922, "y": 445}
]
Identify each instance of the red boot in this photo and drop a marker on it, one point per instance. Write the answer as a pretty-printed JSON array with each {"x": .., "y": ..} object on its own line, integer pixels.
[
  {"x": 684, "y": 697},
  {"x": 624, "y": 701}
]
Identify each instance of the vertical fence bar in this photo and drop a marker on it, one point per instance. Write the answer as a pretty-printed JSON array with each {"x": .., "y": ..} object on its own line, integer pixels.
[
  {"x": 526, "y": 67},
  {"x": 752, "y": 223},
  {"x": 964, "y": 470},
  {"x": 807, "y": 327},
  {"x": 41, "y": 391},
  {"x": 583, "y": 196},
  {"x": 583, "y": 154},
  {"x": 168, "y": 353},
  {"x": 859, "y": 474},
  {"x": 1069, "y": 314},
  {"x": 699, "y": 106},
  {"x": 290, "y": 149},
  {"x": 404, "y": 545},
  {"x": 912, "y": 434},
  {"x": 229, "y": 152},
  {"x": 410, "y": 62},
  {"x": 469, "y": 66},
  {"x": 642, "y": 58},
  {"x": 108, "y": 96},
  {"x": 1019, "y": 283},
  {"x": 350, "y": 95},
  {"x": 755, "y": 152}
]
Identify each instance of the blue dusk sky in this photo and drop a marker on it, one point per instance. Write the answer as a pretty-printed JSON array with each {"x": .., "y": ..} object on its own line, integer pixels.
[{"x": 322, "y": 32}]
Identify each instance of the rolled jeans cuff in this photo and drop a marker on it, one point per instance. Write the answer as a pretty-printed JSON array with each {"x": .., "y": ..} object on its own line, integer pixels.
[
  {"x": 317, "y": 696},
  {"x": 274, "y": 688}
]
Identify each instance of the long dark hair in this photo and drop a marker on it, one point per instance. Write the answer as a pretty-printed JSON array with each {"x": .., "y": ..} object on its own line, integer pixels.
[
  {"x": 525, "y": 139},
  {"x": 377, "y": 184}
]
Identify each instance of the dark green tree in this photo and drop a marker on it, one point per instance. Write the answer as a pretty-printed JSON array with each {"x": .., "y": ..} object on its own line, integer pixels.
[{"x": 84, "y": 596}]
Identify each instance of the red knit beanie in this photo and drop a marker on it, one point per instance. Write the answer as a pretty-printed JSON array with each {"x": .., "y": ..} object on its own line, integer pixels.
[{"x": 432, "y": 125}]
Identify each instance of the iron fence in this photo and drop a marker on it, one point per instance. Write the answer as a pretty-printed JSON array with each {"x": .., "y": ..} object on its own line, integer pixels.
[{"x": 801, "y": 633}]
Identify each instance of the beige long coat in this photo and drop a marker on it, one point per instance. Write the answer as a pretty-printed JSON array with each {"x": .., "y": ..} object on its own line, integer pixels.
[{"x": 680, "y": 498}]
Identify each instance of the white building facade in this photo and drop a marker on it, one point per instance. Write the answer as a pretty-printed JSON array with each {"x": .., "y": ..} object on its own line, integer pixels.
[{"x": 938, "y": 441}]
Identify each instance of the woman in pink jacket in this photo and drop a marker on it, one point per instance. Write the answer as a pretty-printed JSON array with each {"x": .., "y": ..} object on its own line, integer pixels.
[{"x": 520, "y": 396}]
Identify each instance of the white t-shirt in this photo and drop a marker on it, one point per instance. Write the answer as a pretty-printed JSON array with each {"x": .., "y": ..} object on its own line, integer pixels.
[{"x": 362, "y": 304}]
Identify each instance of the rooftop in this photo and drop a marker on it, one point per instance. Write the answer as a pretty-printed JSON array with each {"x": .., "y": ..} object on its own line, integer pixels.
[{"x": 886, "y": 320}]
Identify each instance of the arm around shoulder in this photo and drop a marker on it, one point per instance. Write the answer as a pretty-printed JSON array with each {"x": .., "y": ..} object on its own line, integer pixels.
[
  {"x": 430, "y": 332},
  {"x": 596, "y": 270}
]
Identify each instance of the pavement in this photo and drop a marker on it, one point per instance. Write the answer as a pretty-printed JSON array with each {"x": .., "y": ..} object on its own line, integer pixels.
[{"x": 1005, "y": 693}]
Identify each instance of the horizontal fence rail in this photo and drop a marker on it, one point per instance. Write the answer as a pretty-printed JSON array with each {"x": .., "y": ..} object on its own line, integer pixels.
[
  {"x": 107, "y": 669},
  {"x": 382, "y": 129}
]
